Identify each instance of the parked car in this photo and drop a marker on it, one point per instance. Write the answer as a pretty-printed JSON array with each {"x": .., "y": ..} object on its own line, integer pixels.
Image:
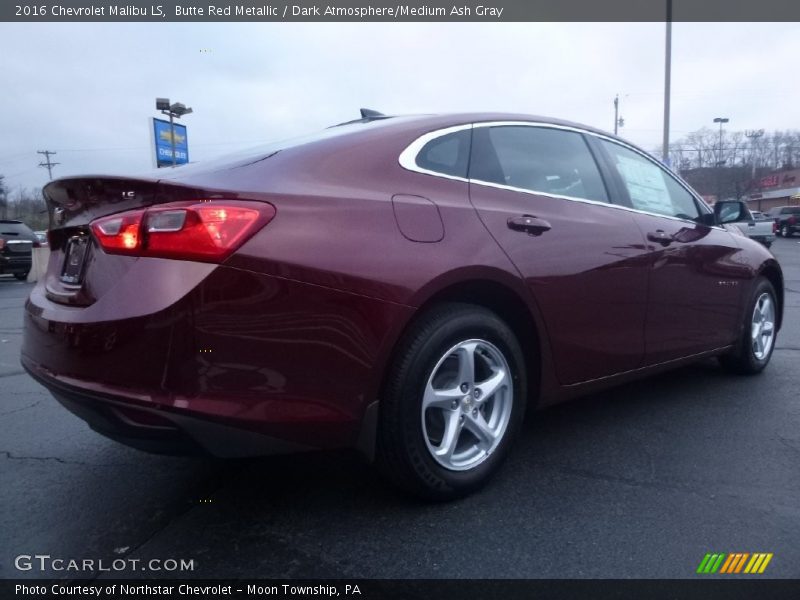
[
  {"x": 758, "y": 229},
  {"x": 787, "y": 219},
  {"x": 16, "y": 247},
  {"x": 406, "y": 286},
  {"x": 41, "y": 237}
]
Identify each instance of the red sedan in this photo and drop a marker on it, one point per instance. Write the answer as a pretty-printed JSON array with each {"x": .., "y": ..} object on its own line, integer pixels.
[{"x": 406, "y": 286}]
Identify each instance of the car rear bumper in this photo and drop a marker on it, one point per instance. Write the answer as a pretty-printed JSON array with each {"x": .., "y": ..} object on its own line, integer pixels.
[
  {"x": 764, "y": 239},
  {"x": 237, "y": 364},
  {"x": 14, "y": 265},
  {"x": 157, "y": 430}
]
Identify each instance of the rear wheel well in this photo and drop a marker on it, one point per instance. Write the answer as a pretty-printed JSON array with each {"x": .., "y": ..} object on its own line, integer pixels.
[
  {"x": 772, "y": 273},
  {"x": 507, "y": 305}
]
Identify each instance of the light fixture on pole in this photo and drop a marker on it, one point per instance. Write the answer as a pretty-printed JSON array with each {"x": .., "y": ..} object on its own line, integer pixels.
[{"x": 173, "y": 111}]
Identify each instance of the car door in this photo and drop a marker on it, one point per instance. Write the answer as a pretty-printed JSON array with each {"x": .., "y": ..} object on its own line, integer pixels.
[
  {"x": 695, "y": 281},
  {"x": 539, "y": 191}
]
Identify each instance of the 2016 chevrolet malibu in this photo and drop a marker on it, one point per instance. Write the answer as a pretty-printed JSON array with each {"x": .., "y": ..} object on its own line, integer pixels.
[{"x": 406, "y": 286}]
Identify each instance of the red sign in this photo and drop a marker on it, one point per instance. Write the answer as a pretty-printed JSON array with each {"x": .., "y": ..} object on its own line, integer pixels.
[{"x": 769, "y": 181}]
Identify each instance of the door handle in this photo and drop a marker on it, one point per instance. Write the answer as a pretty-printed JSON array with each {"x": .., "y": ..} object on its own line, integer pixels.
[
  {"x": 529, "y": 224},
  {"x": 660, "y": 236}
]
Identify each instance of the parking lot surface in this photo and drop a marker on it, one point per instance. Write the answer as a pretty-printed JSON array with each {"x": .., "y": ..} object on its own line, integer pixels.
[{"x": 640, "y": 481}]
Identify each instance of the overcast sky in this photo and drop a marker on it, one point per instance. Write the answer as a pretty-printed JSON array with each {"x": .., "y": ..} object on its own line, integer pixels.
[{"x": 87, "y": 90}]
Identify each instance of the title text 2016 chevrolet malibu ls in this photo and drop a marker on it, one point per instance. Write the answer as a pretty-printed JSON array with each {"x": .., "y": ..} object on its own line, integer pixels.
[{"x": 406, "y": 286}]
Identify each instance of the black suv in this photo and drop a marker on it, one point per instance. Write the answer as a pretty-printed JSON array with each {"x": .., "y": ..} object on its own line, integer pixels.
[
  {"x": 787, "y": 218},
  {"x": 16, "y": 248}
]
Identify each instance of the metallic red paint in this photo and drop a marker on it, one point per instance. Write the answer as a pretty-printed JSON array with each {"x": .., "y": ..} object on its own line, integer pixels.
[{"x": 284, "y": 346}]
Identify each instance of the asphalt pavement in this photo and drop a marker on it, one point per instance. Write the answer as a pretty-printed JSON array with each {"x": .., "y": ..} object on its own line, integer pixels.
[{"x": 640, "y": 481}]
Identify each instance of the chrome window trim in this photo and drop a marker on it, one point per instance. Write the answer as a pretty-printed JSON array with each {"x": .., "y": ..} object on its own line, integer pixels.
[{"x": 408, "y": 158}]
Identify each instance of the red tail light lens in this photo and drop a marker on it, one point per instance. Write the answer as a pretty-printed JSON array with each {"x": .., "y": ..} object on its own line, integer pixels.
[
  {"x": 792, "y": 220},
  {"x": 206, "y": 231},
  {"x": 120, "y": 233}
]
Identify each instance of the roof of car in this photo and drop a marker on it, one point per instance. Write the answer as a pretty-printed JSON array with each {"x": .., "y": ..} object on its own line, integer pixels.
[{"x": 440, "y": 121}]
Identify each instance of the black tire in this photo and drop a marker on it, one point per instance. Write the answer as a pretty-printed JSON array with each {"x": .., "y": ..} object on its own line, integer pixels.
[
  {"x": 768, "y": 244},
  {"x": 402, "y": 453},
  {"x": 742, "y": 359},
  {"x": 21, "y": 276},
  {"x": 784, "y": 232}
]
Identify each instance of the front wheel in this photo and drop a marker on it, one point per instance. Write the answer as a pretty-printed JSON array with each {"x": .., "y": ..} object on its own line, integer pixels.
[
  {"x": 453, "y": 402},
  {"x": 754, "y": 349},
  {"x": 785, "y": 231}
]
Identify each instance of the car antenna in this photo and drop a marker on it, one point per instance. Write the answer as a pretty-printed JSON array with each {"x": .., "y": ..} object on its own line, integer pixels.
[{"x": 368, "y": 113}]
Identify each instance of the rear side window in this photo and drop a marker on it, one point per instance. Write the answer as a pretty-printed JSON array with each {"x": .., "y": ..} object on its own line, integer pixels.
[
  {"x": 539, "y": 159},
  {"x": 448, "y": 154},
  {"x": 792, "y": 210},
  {"x": 16, "y": 231},
  {"x": 651, "y": 188}
]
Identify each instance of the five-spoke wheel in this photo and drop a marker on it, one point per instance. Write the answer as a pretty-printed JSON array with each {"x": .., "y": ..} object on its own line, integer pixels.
[
  {"x": 453, "y": 402},
  {"x": 467, "y": 404},
  {"x": 757, "y": 341}
]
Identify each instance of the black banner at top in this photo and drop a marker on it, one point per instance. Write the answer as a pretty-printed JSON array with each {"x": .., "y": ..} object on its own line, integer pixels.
[{"x": 372, "y": 11}]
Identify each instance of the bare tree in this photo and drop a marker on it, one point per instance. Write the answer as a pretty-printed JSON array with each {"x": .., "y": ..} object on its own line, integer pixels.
[{"x": 28, "y": 205}]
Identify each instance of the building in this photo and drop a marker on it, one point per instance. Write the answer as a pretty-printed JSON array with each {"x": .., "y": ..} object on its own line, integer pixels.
[{"x": 781, "y": 188}]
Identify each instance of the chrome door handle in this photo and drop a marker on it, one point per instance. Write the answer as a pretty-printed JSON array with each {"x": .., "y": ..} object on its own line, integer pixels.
[
  {"x": 660, "y": 236},
  {"x": 529, "y": 224}
]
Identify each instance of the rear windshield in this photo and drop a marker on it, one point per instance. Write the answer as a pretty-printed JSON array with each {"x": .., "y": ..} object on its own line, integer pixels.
[
  {"x": 18, "y": 231},
  {"x": 265, "y": 151}
]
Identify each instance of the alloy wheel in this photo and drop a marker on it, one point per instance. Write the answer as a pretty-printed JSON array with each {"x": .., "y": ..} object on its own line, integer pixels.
[
  {"x": 467, "y": 404},
  {"x": 763, "y": 326}
]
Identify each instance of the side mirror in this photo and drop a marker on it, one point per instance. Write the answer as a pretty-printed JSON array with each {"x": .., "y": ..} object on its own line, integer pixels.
[{"x": 730, "y": 211}]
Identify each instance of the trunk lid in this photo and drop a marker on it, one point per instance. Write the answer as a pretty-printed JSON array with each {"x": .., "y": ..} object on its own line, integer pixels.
[{"x": 79, "y": 272}]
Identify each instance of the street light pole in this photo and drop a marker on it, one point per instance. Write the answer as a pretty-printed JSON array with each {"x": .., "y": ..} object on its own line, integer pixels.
[
  {"x": 667, "y": 77},
  {"x": 720, "y": 162},
  {"x": 753, "y": 135},
  {"x": 172, "y": 137}
]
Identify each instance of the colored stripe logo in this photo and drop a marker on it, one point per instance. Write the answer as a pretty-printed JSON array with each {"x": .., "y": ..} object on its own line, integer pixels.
[{"x": 737, "y": 562}]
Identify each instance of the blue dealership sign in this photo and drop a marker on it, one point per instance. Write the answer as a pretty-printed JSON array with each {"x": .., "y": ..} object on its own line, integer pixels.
[{"x": 162, "y": 134}]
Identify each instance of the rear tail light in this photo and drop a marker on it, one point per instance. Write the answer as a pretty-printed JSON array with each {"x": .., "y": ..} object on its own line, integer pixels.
[
  {"x": 774, "y": 227},
  {"x": 207, "y": 231},
  {"x": 792, "y": 220},
  {"x": 2, "y": 243}
]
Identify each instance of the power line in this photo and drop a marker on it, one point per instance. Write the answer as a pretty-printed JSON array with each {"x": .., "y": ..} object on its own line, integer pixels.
[{"x": 47, "y": 164}]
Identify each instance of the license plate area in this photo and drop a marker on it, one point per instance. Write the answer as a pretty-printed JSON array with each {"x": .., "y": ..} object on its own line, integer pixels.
[{"x": 75, "y": 260}]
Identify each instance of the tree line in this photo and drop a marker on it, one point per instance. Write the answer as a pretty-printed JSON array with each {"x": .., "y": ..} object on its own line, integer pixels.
[
  {"x": 24, "y": 204},
  {"x": 700, "y": 149}
]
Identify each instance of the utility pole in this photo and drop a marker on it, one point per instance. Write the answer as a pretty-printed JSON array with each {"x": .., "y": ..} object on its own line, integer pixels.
[
  {"x": 753, "y": 135},
  {"x": 618, "y": 121},
  {"x": 47, "y": 162},
  {"x": 3, "y": 198},
  {"x": 667, "y": 76}
]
